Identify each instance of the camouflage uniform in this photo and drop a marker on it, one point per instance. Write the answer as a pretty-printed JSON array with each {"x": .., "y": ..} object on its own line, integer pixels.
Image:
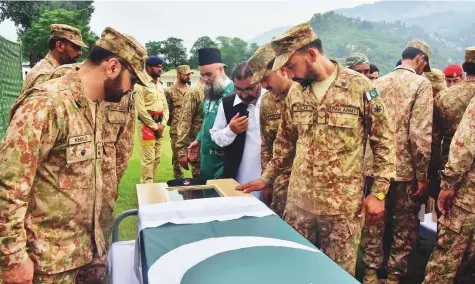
[
  {"x": 270, "y": 118},
  {"x": 454, "y": 253},
  {"x": 406, "y": 96},
  {"x": 325, "y": 141},
  {"x": 52, "y": 196},
  {"x": 40, "y": 71},
  {"x": 150, "y": 98},
  {"x": 190, "y": 124},
  {"x": 175, "y": 102}
]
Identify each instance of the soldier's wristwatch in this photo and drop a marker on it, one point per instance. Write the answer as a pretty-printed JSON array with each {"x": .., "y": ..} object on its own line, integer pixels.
[{"x": 381, "y": 196}]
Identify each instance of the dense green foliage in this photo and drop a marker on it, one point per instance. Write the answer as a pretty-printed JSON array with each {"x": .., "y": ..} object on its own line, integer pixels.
[{"x": 383, "y": 42}]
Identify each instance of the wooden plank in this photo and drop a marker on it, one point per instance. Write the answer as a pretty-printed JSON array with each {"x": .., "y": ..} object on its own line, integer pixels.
[
  {"x": 227, "y": 187},
  {"x": 151, "y": 193}
]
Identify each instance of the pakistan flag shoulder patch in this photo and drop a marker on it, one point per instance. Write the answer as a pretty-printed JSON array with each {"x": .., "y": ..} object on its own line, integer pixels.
[{"x": 372, "y": 94}]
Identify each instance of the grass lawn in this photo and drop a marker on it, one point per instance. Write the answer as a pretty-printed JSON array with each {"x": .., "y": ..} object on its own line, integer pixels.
[{"x": 127, "y": 191}]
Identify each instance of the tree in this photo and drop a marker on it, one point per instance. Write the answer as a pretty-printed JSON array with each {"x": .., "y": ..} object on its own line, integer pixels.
[
  {"x": 154, "y": 48},
  {"x": 173, "y": 52},
  {"x": 202, "y": 42},
  {"x": 234, "y": 50},
  {"x": 36, "y": 36},
  {"x": 24, "y": 13}
]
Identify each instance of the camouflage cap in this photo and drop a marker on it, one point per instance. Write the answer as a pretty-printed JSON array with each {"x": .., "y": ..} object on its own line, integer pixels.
[
  {"x": 356, "y": 58},
  {"x": 437, "y": 78},
  {"x": 424, "y": 47},
  {"x": 69, "y": 33},
  {"x": 259, "y": 61},
  {"x": 470, "y": 54},
  {"x": 287, "y": 43},
  {"x": 127, "y": 48},
  {"x": 184, "y": 69}
]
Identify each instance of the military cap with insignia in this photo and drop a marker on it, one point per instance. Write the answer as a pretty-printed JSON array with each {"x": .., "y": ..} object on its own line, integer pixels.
[
  {"x": 453, "y": 71},
  {"x": 425, "y": 48},
  {"x": 69, "y": 33},
  {"x": 289, "y": 42},
  {"x": 259, "y": 61},
  {"x": 128, "y": 49}
]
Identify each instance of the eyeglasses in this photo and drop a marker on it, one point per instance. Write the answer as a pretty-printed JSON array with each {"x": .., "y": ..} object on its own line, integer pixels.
[
  {"x": 248, "y": 91},
  {"x": 133, "y": 77}
]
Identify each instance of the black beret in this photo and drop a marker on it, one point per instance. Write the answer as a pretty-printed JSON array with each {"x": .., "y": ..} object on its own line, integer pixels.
[{"x": 154, "y": 61}]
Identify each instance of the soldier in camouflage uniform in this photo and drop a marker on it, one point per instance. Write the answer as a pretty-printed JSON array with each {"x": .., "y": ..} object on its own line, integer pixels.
[
  {"x": 454, "y": 253},
  {"x": 52, "y": 194},
  {"x": 449, "y": 106},
  {"x": 278, "y": 85},
  {"x": 64, "y": 48},
  {"x": 322, "y": 131},
  {"x": 175, "y": 95},
  {"x": 189, "y": 126},
  {"x": 358, "y": 62},
  {"x": 407, "y": 96}
]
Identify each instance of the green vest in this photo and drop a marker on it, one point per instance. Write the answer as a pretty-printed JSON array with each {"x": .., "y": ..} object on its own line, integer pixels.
[{"x": 212, "y": 156}]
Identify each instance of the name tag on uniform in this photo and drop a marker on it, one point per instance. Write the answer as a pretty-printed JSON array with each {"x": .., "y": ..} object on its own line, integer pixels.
[
  {"x": 344, "y": 109},
  {"x": 302, "y": 108},
  {"x": 79, "y": 139},
  {"x": 117, "y": 108},
  {"x": 273, "y": 116}
]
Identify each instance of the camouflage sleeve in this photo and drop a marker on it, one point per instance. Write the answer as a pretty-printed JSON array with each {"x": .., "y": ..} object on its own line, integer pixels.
[
  {"x": 170, "y": 105},
  {"x": 30, "y": 136},
  {"x": 184, "y": 124},
  {"x": 125, "y": 144},
  {"x": 382, "y": 142},
  {"x": 266, "y": 144},
  {"x": 420, "y": 130},
  {"x": 435, "y": 163},
  {"x": 140, "y": 108},
  {"x": 462, "y": 150},
  {"x": 284, "y": 147},
  {"x": 34, "y": 79}
]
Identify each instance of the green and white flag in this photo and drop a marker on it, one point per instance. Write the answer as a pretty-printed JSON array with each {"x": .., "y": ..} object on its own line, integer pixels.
[{"x": 227, "y": 240}]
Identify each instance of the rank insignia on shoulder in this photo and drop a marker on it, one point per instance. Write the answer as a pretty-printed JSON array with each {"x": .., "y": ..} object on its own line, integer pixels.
[{"x": 372, "y": 94}]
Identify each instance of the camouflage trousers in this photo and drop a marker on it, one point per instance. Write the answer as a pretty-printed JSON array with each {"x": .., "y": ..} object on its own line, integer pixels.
[
  {"x": 93, "y": 273},
  {"x": 338, "y": 236},
  {"x": 279, "y": 194},
  {"x": 150, "y": 154},
  {"x": 454, "y": 253},
  {"x": 401, "y": 217},
  {"x": 177, "y": 169}
]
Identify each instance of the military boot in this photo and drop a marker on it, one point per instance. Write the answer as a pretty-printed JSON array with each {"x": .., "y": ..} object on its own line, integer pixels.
[
  {"x": 393, "y": 279},
  {"x": 370, "y": 276}
]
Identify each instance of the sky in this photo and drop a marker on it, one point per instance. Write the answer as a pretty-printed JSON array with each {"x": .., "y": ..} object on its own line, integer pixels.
[{"x": 188, "y": 20}]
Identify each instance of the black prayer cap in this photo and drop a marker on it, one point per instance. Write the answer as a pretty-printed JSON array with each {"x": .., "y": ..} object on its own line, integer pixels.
[{"x": 207, "y": 56}]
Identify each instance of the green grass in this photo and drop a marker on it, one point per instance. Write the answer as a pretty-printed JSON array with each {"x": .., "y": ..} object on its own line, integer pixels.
[{"x": 127, "y": 190}]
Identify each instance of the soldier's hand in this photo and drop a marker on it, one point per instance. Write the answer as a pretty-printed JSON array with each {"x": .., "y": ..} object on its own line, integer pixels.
[
  {"x": 422, "y": 190},
  {"x": 254, "y": 185},
  {"x": 184, "y": 162},
  {"x": 193, "y": 150},
  {"x": 445, "y": 200},
  {"x": 22, "y": 274},
  {"x": 160, "y": 128},
  {"x": 238, "y": 124},
  {"x": 373, "y": 208}
]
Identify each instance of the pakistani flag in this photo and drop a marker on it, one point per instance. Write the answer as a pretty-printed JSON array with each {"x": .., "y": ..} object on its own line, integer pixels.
[{"x": 227, "y": 240}]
